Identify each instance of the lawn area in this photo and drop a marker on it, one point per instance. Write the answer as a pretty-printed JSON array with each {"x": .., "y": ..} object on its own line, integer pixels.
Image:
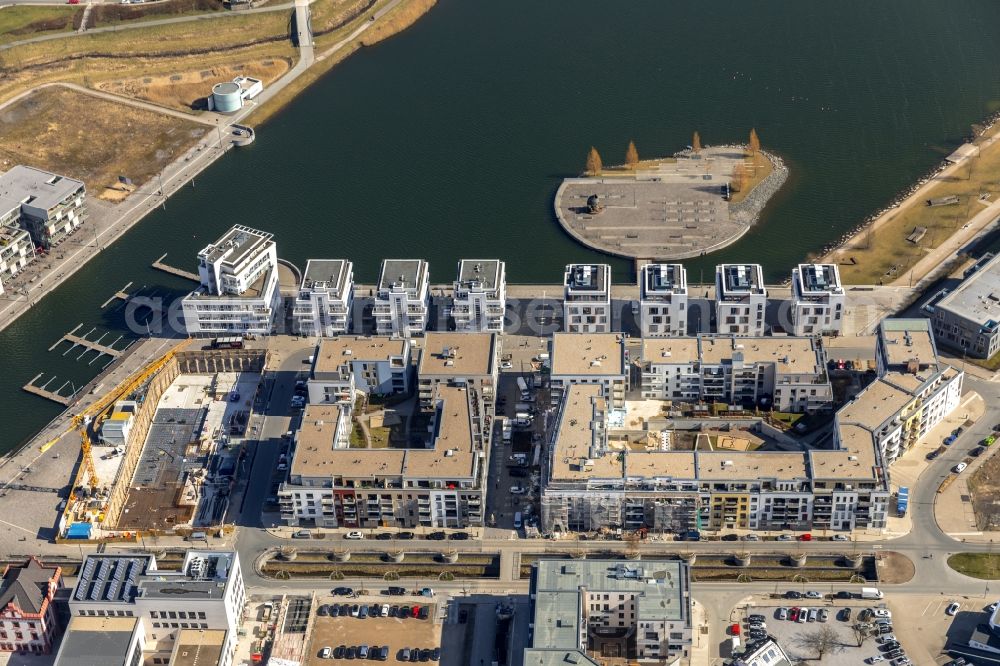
[
  {"x": 991, "y": 363},
  {"x": 985, "y": 566},
  {"x": 885, "y": 254},
  {"x": 117, "y": 13},
  {"x": 81, "y": 136},
  {"x": 25, "y": 21}
]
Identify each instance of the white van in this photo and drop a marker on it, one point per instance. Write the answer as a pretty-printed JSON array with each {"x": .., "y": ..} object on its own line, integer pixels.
[{"x": 517, "y": 520}]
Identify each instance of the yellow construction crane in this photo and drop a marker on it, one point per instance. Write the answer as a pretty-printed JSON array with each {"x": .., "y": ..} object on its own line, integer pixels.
[{"x": 91, "y": 417}]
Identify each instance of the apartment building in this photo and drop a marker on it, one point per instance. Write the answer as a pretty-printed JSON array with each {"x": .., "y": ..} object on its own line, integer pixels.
[
  {"x": 239, "y": 286},
  {"x": 587, "y": 298},
  {"x": 323, "y": 305},
  {"x": 149, "y": 610},
  {"x": 27, "y": 614},
  {"x": 598, "y": 478},
  {"x": 574, "y": 602},
  {"x": 16, "y": 248},
  {"x": 783, "y": 373},
  {"x": 402, "y": 298},
  {"x": 331, "y": 484},
  {"x": 51, "y": 207},
  {"x": 460, "y": 359},
  {"x": 663, "y": 300},
  {"x": 480, "y": 296},
  {"x": 740, "y": 299},
  {"x": 346, "y": 364},
  {"x": 589, "y": 358},
  {"x": 913, "y": 393},
  {"x": 968, "y": 318},
  {"x": 817, "y": 300}
]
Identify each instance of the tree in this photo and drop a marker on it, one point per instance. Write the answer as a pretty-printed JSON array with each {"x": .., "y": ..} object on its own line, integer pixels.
[
  {"x": 696, "y": 142},
  {"x": 741, "y": 178},
  {"x": 754, "y": 141},
  {"x": 632, "y": 156},
  {"x": 594, "y": 166},
  {"x": 823, "y": 640}
]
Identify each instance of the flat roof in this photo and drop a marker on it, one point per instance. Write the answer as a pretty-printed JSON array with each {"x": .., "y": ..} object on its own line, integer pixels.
[
  {"x": 587, "y": 279},
  {"x": 740, "y": 279},
  {"x": 857, "y": 459},
  {"x": 977, "y": 298},
  {"x": 96, "y": 640},
  {"x": 594, "y": 354},
  {"x": 681, "y": 465},
  {"x": 561, "y": 589},
  {"x": 874, "y": 405},
  {"x": 31, "y": 186},
  {"x": 453, "y": 455},
  {"x": 658, "y": 279},
  {"x": 457, "y": 354},
  {"x": 333, "y": 353},
  {"x": 670, "y": 350},
  {"x": 906, "y": 340},
  {"x": 577, "y": 433},
  {"x": 111, "y": 578},
  {"x": 482, "y": 273},
  {"x": 327, "y": 274},
  {"x": 818, "y": 279},
  {"x": 722, "y": 465},
  {"x": 402, "y": 274},
  {"x": 789, "y": 354},
  {"x": 236, "y": 245},
  {"x": 198, "y": 647}
]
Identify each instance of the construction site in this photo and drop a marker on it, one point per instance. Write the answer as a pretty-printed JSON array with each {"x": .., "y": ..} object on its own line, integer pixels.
[{"x": 159, "y": 452}]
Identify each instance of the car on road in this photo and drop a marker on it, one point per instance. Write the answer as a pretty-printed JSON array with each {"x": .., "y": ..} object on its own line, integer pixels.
[
  {"x": 978, "y": 451},
  {"x": 437, "y": 536},
  {"x": 518, "y": 490},
  {"x": 839, "y": 537},
  {"x": 813, "y": 594},
  {"x": 406, "y": 536},
  {"x": 354, "y": 535},
  {"x": 952, "y": 608},
  {"x": 949, "y": 440},
  {"x": 459, "y": 536},
  {"x": 785, "y": 537},
  {"x": 957, "y": 431},
  {"x": 793, "y": 594},
  {"x": 935, "y": 453},
  {"x": 805, "y": 537},
  {"x": 959, "y": 468}
]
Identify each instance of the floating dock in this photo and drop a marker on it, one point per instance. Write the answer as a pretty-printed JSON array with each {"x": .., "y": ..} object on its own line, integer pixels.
[
  {"x": 44, "y": 392},
  {"x": 82, "y": 341},
  {"x": 166, "y": 268}
]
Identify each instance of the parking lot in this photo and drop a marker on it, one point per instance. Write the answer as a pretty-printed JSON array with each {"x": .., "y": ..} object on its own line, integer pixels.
[
  {"x": 925, "y": 627},
  {"x": 837, "y": 637},
  {"x": 350, "y": 631}
]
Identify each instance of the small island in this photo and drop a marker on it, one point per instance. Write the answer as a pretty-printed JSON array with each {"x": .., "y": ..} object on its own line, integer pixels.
[{"x": 698, "y": 201}]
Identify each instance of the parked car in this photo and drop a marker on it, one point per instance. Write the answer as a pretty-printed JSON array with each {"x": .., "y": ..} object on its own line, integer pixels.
[
  {"x": 888, "y": 638},
  {"x": 785, "y": 537},
  {"x": 839, "y": 537},
  {"x": 459, "y": 536},
  {"x": 343, "y": 591},
  {"x": 978, "y": 451},
  {"x": 423, "y": 613},
  {"x": 363, "y": 612},
  {"x": 406, "y": 536},
  {"x": 782, "y": 613},
  {"x": 351, "y": 652},
  {"x": 760, "y": 626},
  {"x": 881, "y": 612},
  {"x": 813, "y": 594},
  {"x": 813, "y": 614},
  {"x": 730, "y": 537},
  {"x": 363, "y": 652},
  {"x": 936, "y": 452},
  {"x": 757, "y": 634},
  {"x": 823, "y": 616},
  {"x": 793, "y": 594},
  {"x": 436, "y": 654},
  {"x": 326, "y": 653},
  {"x": 952, "y": 608},
  {"x": 845, "y": 615},
  {"x": 518, "y": 490},
  {"x": 843, "y": 594},
  {"x": 404, "y": 654},
  {"x": 751, "y": 537},
  {"x": 334, "y": 610},
  {"x": 383, "y": 536},
  {"x": 755, "y": 618},
  {"x": 385, "y": 610},
  {"x": 793, "y": 615},
  {"x": 874, "y": 660},
  {"x": 437, "y": 536},
  {"x": 354, "y": 535},
  {"x": 338, "y": 652},
  {"x": 395, "y": 591},
  {"x": 322, "y": 610},
  {"x": 805, "y": 537},
  {"x": 960, "y": 467}
]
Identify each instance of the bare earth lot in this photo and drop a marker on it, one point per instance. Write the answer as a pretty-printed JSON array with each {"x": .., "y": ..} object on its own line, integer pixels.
[{"x": 96, "y": 140}]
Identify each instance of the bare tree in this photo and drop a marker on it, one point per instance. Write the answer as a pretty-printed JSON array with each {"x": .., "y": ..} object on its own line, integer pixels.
[
  {"x": 861, "y": 633},
  {"x": 754, "y": 142},
  {"x": 740, "y": 179},
  {"x": 632, "y": 156},
  {"x": 594, "y": 166},
  {"x": 696, "y": 142},
  {"x": 823, "y": 641}
]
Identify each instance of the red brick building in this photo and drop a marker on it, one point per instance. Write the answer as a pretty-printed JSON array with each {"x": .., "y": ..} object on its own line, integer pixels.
[{"x": 27, "y": 615}]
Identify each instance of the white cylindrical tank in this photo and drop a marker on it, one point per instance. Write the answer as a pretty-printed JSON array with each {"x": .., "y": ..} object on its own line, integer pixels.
[{"x": 227, "y": 97}]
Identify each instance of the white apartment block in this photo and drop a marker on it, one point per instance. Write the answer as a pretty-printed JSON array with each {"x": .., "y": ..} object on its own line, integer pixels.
[
  {"x": 574, "y": 601},
  {"x": 332, "y": 484},
  {"x": 597, "y": 478},
  {"x": 783, "y": 373},
  {"x": 51, "y": 207},
  {"x": 16, "y": 252},
  {"x": 323, "y": 305},
  {"x": 587, "y": 298},
  {"x": 817, "y": 300},
  {"x": 402, "y": 298},
  {"x": 480, "y": 296},
  {"x": 740, "y": 299},
  {"x": 239, "y": 286},
  {"x": 589, "y": 358},
  {"x": 346, "y": 364},
  {"x": 471, "y": 360},
  {"x": 913, "y": 394},
  {"x": 663, "y": 300},
  {"x": 207, "y": 593}
]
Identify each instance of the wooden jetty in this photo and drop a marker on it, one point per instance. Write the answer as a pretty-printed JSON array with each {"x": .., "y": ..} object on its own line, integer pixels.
[
  {"x": 121, "y": 294},
  {"x": 44, "y": 392},
  {"x": 82, "y": 341},
  {"x": 166, "y": 268}
]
